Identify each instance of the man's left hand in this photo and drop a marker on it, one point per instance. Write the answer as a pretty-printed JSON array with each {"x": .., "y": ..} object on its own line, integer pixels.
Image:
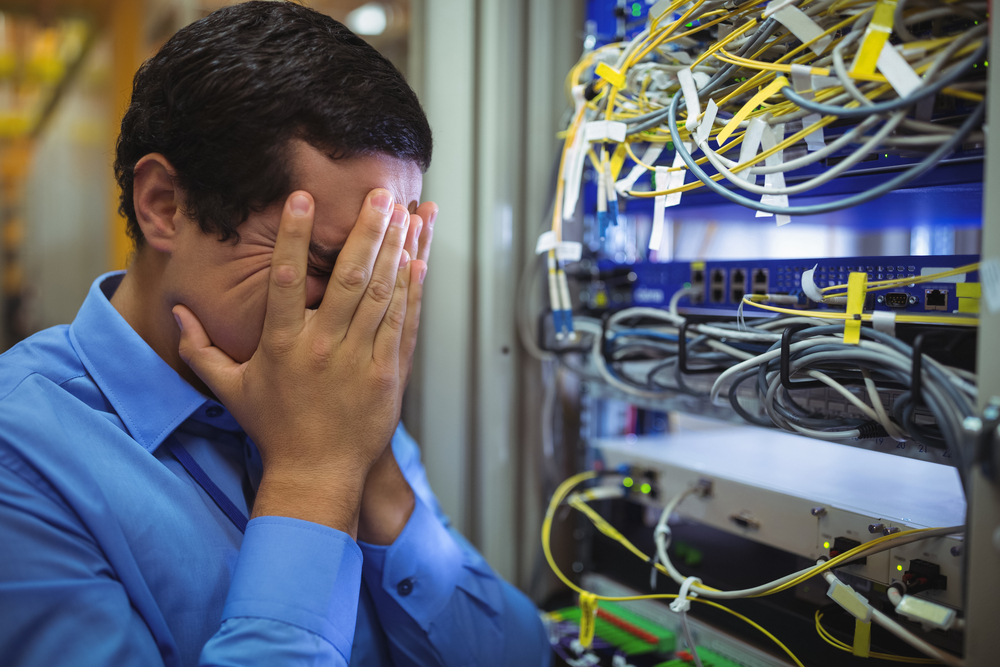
[{"x": 387, "y": 501}]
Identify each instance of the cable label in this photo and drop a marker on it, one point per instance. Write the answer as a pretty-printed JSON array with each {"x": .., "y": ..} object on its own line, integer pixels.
[
  {"x": 649, "y": 157},
  {"x": 771, "y": 137},
  {"x": 876, "y": 35},
  {"x": 690, "y": 91},
  {"x": 803, "y": 27},
  {"x": 897, "y": 71},
  {"x": 754, "y": 102},
  {"x": 606, "y": 130},
  {"x": 857, "y": 288},
  {"x": 611, "y": 75}
]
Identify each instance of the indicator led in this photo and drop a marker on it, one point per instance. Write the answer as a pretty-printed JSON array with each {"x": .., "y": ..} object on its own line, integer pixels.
[
  {"x": 627, "y": 482},
  {"x": 899, "y": 567},
  {"x": 636, "y": 9},
  {"x": 826, "y": 545},
  {"x": 645, "y": 488}
]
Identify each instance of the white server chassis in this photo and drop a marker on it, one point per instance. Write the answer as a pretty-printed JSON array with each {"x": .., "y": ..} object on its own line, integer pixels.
[{"x": 798, "y": 494}]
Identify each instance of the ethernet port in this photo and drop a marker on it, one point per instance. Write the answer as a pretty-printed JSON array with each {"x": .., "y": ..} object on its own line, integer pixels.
[
  {"x": 737, "y": 285},
  {"x": 936, "y": 299},
  {"x": 717, "y": 294},
  {"x": 698, "y": 282},
  {"x": 760, "y": 281}
]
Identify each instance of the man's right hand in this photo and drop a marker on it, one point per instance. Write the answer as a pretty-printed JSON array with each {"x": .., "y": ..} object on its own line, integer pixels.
[{"x": 320, "y": 397}]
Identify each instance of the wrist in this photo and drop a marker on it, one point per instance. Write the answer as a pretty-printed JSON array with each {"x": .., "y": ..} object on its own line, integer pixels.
[
  {"x": 329, "y": 500},
  {"x": 387, "y": 502}
]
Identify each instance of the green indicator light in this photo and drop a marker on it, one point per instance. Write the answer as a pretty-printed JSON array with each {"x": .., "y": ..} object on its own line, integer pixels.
[
  {"x": 645, "y": 488},
  {"x": 986, "y": 63},
  {"x": 636, "y": 9},
  {"x": 627, "y": 482},
  {"x": 688, "y": 25},
  {"x": 826, "y": 545},
  {"x": 887, "y": 155},
  {"x": 899, "y": 567}
]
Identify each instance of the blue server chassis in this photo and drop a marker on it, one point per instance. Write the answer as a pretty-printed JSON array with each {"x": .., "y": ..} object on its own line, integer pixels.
[{"x": 654, "y": 284}]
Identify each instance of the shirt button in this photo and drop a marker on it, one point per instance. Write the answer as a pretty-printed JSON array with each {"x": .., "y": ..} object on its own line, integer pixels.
[
  {"x": 214, "y": 411},
  {"x": 405, "y": 587}
]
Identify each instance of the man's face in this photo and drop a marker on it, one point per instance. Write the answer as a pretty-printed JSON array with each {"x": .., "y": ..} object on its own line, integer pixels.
[{"x": 226, "y": 284}]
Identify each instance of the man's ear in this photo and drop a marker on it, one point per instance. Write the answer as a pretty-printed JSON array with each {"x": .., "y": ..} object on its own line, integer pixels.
[{"x": 157, "y": 201}]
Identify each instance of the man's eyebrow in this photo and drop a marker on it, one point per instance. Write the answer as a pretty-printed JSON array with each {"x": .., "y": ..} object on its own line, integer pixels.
[{"x": 324, "y": 255}]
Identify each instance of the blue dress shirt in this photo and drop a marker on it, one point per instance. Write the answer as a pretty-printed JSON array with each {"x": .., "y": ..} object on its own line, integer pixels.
[{"x": 112, "y": 554}]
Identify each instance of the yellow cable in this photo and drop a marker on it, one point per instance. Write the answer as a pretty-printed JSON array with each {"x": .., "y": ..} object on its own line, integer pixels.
[
  {"x": 836, "y": 643},
  {"x": 954, "y": 320},
  {"x": 557, "y": 499}
]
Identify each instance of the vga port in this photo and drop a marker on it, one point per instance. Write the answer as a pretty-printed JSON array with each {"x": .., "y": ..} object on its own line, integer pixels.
[{"x": 897, "y": 299}]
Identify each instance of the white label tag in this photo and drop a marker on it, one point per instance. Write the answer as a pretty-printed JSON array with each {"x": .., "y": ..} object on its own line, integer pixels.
[
  {"x": 897, "y": 71},
  {"x": 569, "y": 251},
  {"x": 748, "y": 149},
  {"x": 649, "y": 157},
  {"x": 705, "y": 128},
  {"x": 803, "y": 27},
  {"x": 690, "y": 91},
  {"x": 815, "y": 139},
  {"x": 606, "y": 130},
  {"x": 770, "y": 138},
  {"x": 676, "y": 179},
  {"x": 656, "y": 234},
  {"x": 546, "y": 242}
]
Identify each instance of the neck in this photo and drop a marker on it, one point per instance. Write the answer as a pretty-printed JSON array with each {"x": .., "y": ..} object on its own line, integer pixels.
[{"x": 144, "y": 301}]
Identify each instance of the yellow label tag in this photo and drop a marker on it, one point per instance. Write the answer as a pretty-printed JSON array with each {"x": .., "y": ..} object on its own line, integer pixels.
[
  {"x": 611, "y": 75},
  {"x": 754, "y": 102},
  {"x": 968, "y": 304},
  {"x": 862, "y": 638},
  {"x": 876, "y": 34},
  {"x": 968, "y": 289},
  {"x": 617, "y": 160},
  {"x": 857, "y": 288},
  {"x": 588, "y": 618}
]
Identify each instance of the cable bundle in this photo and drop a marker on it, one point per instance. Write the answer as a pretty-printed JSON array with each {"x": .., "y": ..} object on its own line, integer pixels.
[{"x": 730, "y": 82}]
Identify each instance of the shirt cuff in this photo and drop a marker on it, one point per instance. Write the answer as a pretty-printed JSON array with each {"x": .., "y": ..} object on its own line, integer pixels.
[
  {"x": 421, "y": 569},
  {"x": 299, "y": 573}
]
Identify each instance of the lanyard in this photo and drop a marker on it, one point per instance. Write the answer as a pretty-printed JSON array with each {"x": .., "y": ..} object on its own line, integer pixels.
[{"x": 198, "y": 473}]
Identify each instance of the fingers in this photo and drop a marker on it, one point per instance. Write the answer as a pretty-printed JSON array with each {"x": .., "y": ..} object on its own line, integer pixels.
[
  {"x": 413, "y": 235},
  {"x": 387, "y": 347},
  {"x": 382, "y": 286},
  {"x": 428, "y": 212},
  {"x": 215, "y": 368},
  {"x": 286, "y": 295},
  {"x": 408, "y": 336},
  {"x": 351, "y": 276}
]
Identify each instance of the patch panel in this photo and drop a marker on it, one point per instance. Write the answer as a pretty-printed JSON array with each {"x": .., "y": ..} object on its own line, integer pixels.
[{"x": 721, "y": 285}]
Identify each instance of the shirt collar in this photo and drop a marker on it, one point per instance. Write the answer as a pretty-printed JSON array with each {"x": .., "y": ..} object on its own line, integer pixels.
[{"x": 150, "y": 397}]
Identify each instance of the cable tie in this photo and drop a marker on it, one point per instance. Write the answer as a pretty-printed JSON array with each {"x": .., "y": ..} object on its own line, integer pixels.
[
  {"x": 682, "y": 604},
  {"x": 884, "y": 321},
  {"x": 665, "y": 532}
]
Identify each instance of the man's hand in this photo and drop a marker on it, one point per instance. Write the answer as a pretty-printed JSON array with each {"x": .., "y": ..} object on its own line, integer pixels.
[
  {"x": 321, "y": 395},
  {"x": 388, "y": 500}
]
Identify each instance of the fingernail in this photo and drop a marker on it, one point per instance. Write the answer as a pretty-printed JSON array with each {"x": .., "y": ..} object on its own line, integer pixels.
[
  {"x": 423, "y": 272},
  {"x": 381, "y": 202},
  {"x": 399, "y": 217},
  {"x": 178, "y": 320},
  {"x": 299, "y": 204},
  {"x": 416, "y": 231},
  {"x": 404, "y": 259},
  {"x": 430, "y": 221}
]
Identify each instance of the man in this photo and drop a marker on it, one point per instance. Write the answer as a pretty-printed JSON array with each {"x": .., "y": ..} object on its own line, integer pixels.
[{"x": 250, "y": 363}]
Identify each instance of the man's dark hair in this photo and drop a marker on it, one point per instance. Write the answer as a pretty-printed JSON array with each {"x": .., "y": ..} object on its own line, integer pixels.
[{"x": 225, "y": 96}]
